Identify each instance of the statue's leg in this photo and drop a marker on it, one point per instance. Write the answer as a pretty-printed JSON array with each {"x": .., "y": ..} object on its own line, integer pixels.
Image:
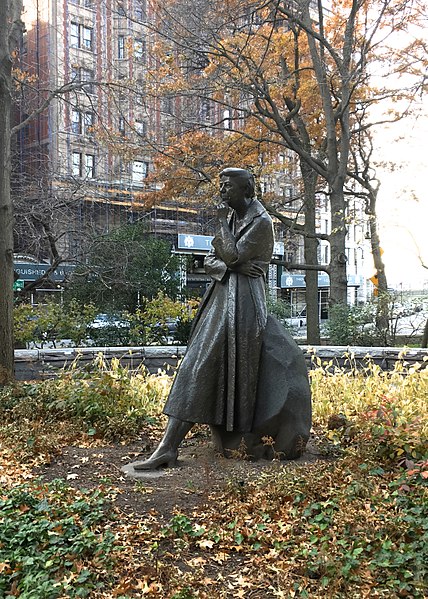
[{"x": 167, "y": 451}]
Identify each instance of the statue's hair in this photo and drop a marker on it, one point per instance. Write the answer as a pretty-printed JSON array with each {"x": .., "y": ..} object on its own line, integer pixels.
[{"x": 243, "y": 174}]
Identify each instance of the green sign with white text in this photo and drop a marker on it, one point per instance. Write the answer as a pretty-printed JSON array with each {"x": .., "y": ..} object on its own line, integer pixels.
[{"x": 18, "y": 285}]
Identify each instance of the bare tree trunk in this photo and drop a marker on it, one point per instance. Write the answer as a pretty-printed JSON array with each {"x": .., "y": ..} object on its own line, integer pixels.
[
  {"x": 338, "y": 259},
  {"x": 9, "y": 25},
  {"x": 382, "y": 314},
  {"x": 425, "y": 336},
  {"x": 6, "y": 234},
  {"x": 311, "y": 256},
  {"x": 382, "y": 320},
  {"x": 336, "y": 148}
]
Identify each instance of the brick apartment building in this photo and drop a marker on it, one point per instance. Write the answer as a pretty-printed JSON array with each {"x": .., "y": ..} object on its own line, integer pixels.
[{"x": 97, "y": 47}]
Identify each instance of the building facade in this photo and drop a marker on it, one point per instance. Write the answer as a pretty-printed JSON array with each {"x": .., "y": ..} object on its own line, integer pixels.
[
  {"x": 92, "y": 59},
  {"x": 100, "y": 51}
]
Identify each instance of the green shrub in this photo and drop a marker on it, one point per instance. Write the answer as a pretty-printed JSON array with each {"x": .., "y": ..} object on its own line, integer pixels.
[
  {"x": 50, "y": 544},
  {"x": 146, "y": 326},
  {"x": 52, "y": 322},
  {"x": 149, "y": 324},
  {"x": 182, "y": 330},
  {"x": 109, "y": 336},
  {"x": 388, "y": 408},
  {"x": 123, "y": 266},
  {"x": 102, "y": 399},
  {"x": 361, "y": 325},
  {"x": 394, "y": 433},
  {"x": 278, "y": 308},
  {"x": 353, "y": 325}
]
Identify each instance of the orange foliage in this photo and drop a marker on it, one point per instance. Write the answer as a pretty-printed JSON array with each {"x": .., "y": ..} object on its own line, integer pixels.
[
  {"x": 189, "y": 167},
  {"x": 262, "y": 70}
]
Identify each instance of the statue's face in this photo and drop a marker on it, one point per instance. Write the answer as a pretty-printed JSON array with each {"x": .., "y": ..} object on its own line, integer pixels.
[{"x": 232, "y": 191}]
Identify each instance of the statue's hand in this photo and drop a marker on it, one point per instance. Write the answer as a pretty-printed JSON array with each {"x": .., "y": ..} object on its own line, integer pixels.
[
  {"x": 249, "y": 269},
  {"x": 222, "y": 210}
]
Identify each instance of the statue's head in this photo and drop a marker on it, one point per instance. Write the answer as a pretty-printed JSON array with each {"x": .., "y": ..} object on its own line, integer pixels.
[{"x": 244, "y": 177}]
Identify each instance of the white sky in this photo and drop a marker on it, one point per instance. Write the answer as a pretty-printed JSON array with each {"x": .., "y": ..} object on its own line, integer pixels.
[
  {"x": 403, "y": 201},
  {"x": 403, "y": 195}
]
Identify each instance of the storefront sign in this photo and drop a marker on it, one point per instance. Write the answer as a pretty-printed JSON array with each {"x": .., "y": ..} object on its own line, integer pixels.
[
  {"x": 31, "y": 272},
  {"x": 291, "y": 281},
  {"x": 194, "y": 243}
]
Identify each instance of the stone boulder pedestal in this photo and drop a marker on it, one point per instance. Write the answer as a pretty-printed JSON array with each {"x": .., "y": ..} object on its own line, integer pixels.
[{"x": 283, "y": 415}]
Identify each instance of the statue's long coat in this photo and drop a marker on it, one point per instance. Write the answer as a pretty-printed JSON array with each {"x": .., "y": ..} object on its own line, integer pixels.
[{"x": 217, "y": 379}]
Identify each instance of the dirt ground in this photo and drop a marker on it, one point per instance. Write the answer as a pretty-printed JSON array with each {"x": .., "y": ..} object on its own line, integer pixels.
[{"x": 199, "y": 472}]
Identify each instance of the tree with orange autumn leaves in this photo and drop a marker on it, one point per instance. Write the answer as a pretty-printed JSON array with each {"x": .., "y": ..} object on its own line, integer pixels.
[{"x": 295, "y": 75}]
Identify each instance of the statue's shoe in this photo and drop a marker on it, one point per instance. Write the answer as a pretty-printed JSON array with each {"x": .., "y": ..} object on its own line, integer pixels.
[{"x": 167, "y": 459}]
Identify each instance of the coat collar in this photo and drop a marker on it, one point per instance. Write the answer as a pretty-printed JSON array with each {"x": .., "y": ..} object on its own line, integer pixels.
[{"x": 254, "y": 209}]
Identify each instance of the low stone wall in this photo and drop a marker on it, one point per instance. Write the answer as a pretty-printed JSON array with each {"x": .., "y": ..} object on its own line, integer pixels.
[
  {"x": 33, "y": 364},
  {"x": 37, "y": 364}
]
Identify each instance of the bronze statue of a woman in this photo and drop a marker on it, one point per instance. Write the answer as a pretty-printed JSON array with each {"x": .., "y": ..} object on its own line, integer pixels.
[{"x": 218, "y": 382}]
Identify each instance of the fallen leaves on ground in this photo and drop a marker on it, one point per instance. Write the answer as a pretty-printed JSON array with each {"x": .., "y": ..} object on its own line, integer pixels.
[{"x": 351, "y": 523}]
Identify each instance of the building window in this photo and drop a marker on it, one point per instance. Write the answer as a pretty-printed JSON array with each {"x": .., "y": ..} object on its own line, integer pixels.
[
  {"x": 227, "y": 119},
  {"x": 75, "y": 122},
  {"x": 89, "y": 166},
  {"x": 140, "y": 10},
  {"x": 140, "y": 100},
  {"x": 167, "y": 104},
  {"x": 139, "y": 170},
  {"x": 24, "y": 45},
  {"x": 82, "y": 122},
  {"x": 121, "y": 10},
  {"x": 88, "y": 122},
  {"x": 121, "y": 125},
  {"x": 121, "y": 46},
  {"x": 87, "y": 37},
  {"x": 288, "y": 192},
  {"x": 205, "y": 110},
  {"x": 139, "y": 49},
  {"x": 76, "y": 164},
  {"x": 140, "y": 127},
  {"x": 87, "y": 75},
  {"x": 74, "y": 35},
  {"x": 83, "y": 165},
  {"x": 80, "y": 75},
  {"x": 81, "y": 36}
]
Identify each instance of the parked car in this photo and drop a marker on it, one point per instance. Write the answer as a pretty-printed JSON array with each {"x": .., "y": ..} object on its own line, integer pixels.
[
  {"x": 108, "y": 330},
  {"x": 108, "y": 320},
  {"x": 167, "y": 328},
  {"x": 171, "y": 324}
]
